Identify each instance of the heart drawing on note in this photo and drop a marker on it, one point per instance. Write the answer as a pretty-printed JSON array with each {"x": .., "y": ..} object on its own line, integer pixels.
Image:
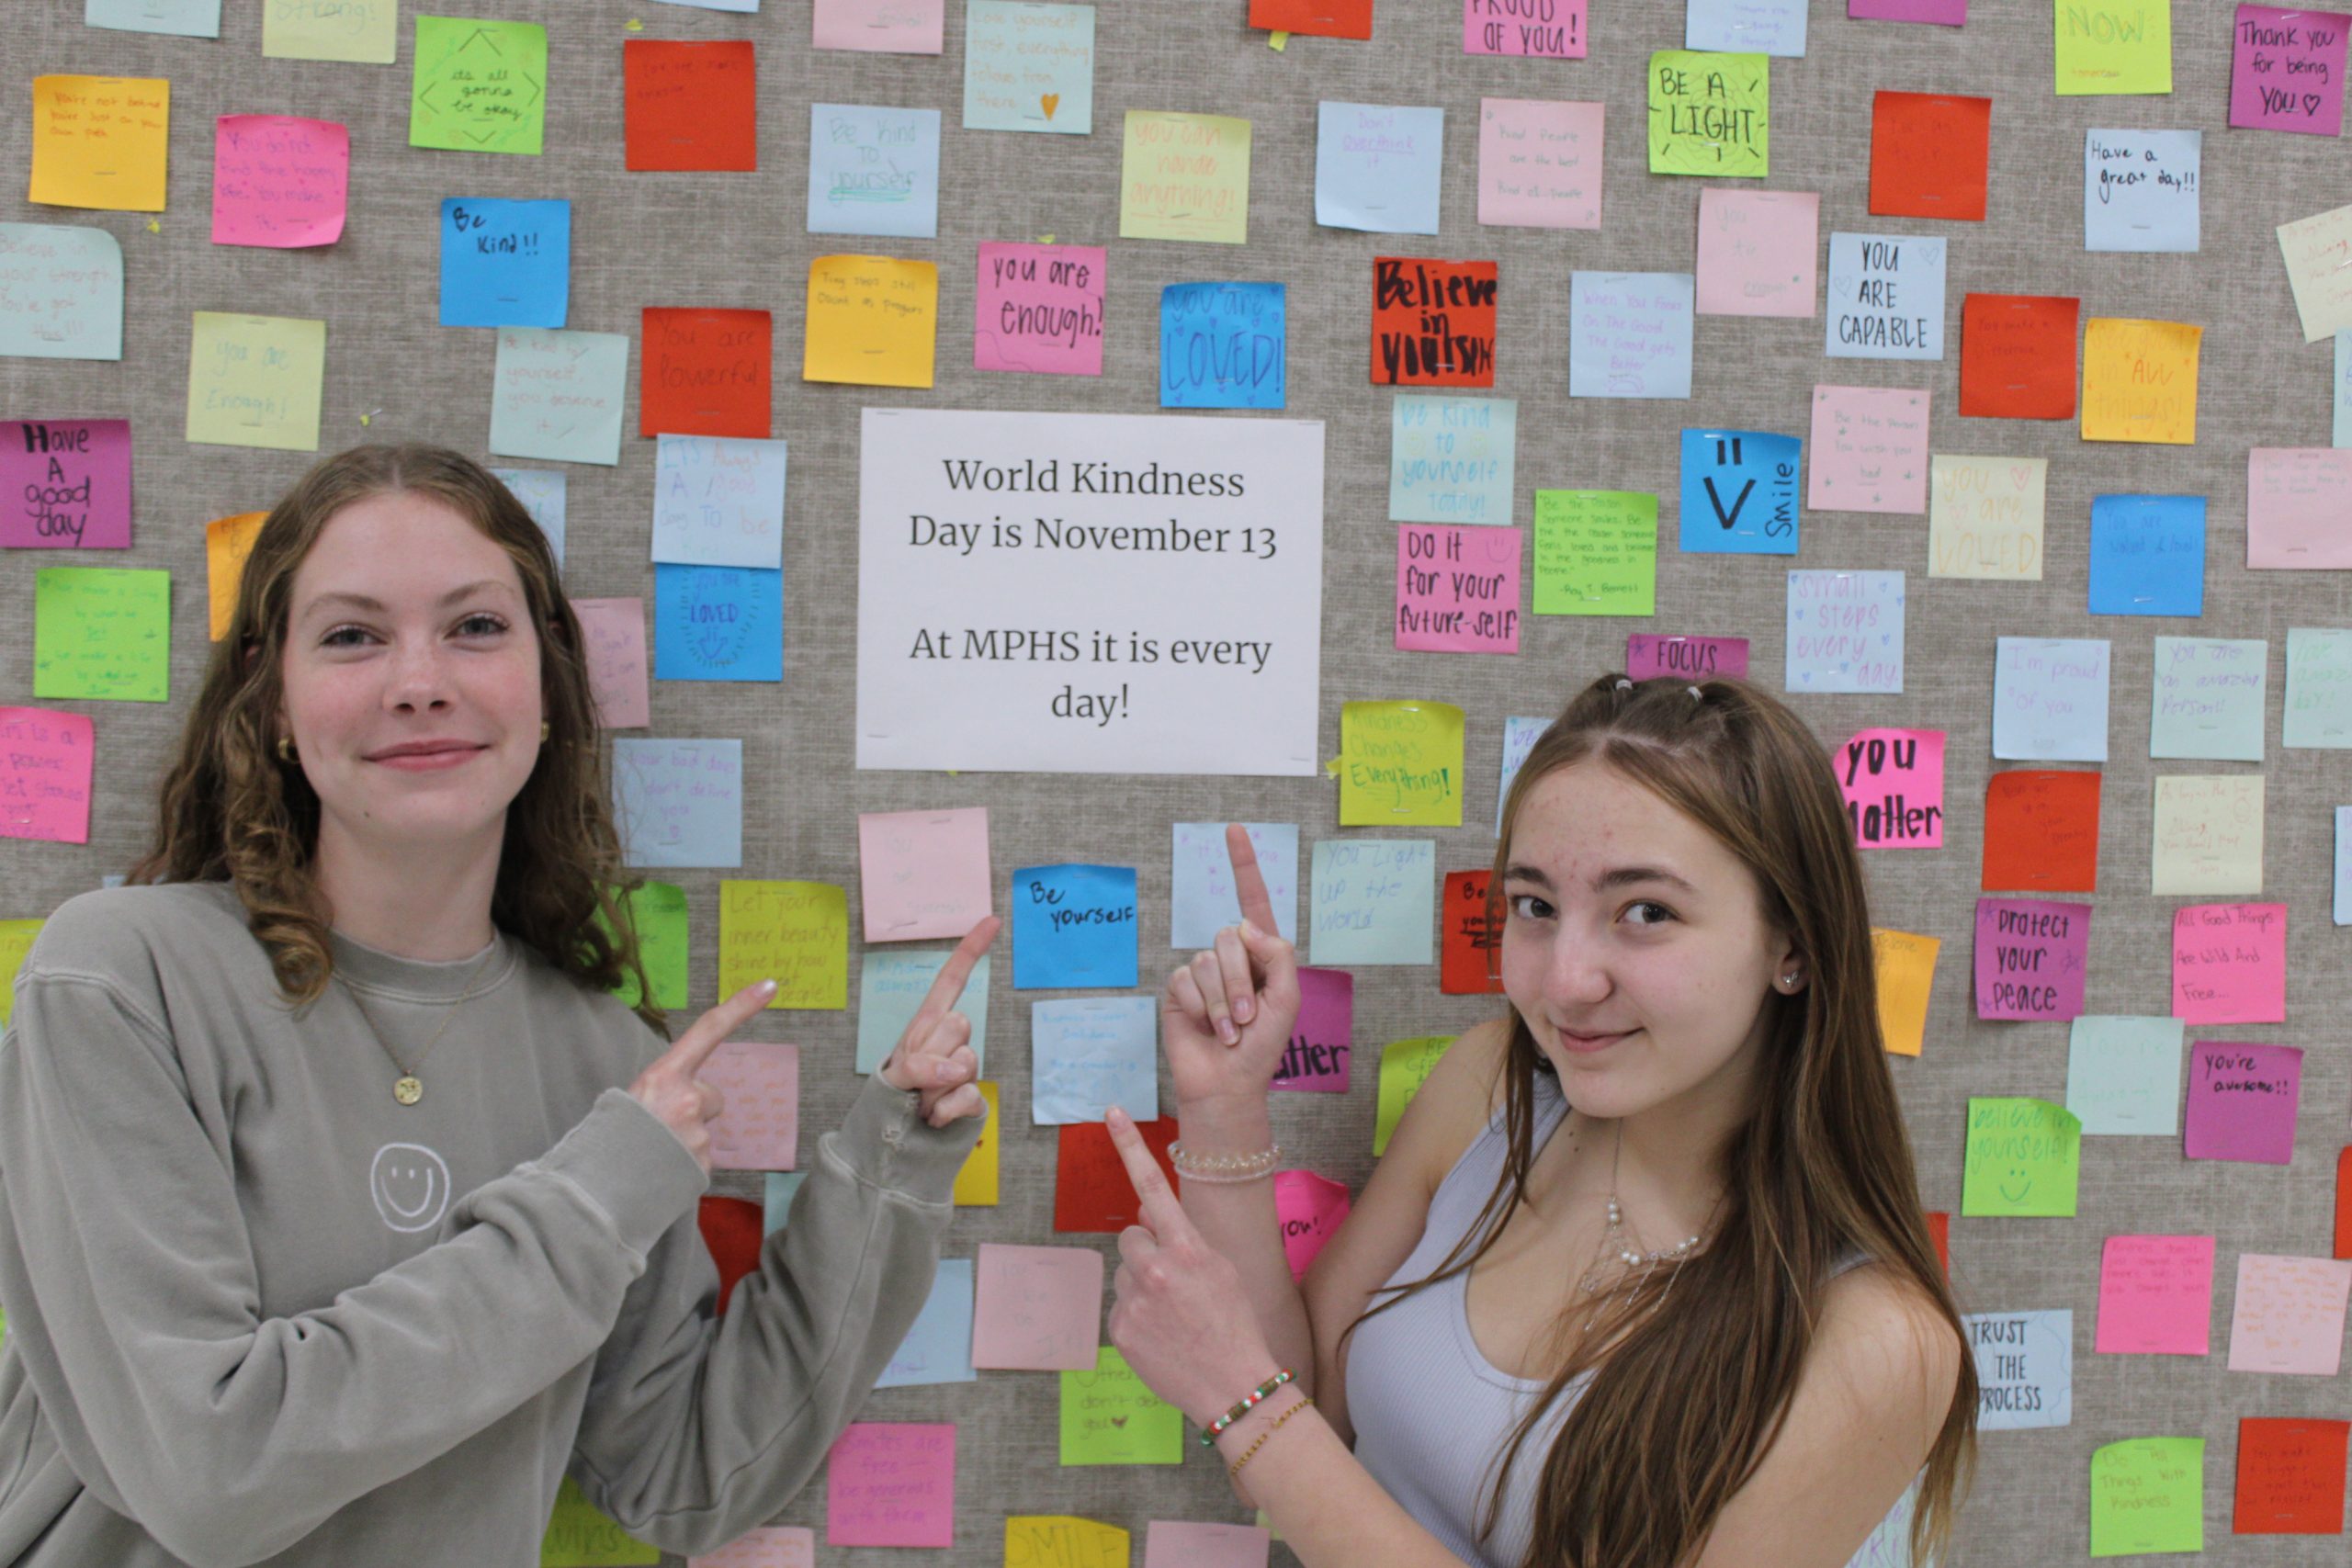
[
  {"x": 1118, "y": 1420},
  {"x": 1050, "y": 102}
]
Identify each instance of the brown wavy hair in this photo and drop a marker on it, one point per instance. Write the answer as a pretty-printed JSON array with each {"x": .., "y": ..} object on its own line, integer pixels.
[
  {"x": 1690, "y": 1385},
  {"x": 231, "y": 811}
]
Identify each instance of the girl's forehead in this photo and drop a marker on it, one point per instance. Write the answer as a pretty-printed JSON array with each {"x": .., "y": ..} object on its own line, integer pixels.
[{"x": 1587, "y": 820}]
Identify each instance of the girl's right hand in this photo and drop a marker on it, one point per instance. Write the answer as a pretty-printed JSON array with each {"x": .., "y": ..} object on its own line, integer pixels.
[
  {"x": 1226, "y": 1018},
  {"x": 668, "y": 1087}
]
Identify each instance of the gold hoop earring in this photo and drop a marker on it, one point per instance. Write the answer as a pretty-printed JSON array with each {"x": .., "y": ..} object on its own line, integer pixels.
[{"x": 286, "y": 749}]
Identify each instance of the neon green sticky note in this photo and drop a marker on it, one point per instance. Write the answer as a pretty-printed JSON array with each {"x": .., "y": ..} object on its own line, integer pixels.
[
  {"x": 2113, "y": 47},
  {"x": 102, "y": 632},
  {"x": 796, "y": 933},
  {"x": 255, "y": 380},
  {"x": 1400, "y": 764},
  {"x": 481, "y": 85},
  {"x": 1711, "y": 113},
  {"x": 2024, "y": 1157},
  {"x": 1405, "y": 1067},
  {"x": 2148, "y": 1494},
  {"x": 1109, "y": 1418},
  {"x": 658, "y": 910},
  {"x": 16, "y": 940},
  {"x": 582, "y": 1535},
  {"x": 1596, "y": 552}
]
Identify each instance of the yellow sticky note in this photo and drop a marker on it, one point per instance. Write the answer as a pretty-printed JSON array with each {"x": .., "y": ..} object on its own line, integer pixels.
[
  {"x": 1185, "y": 176},
  {"x": 580, "y": 1535},
  {"x": 1405, "y": 1067},
  {"x": 976, "y": 1183},
  {"x": 227, "y": 542},
  {"x": 1906, "y": 969},
  {"x": 1400, "y": 764},
  {"x": 2140, "y": 381},
  {"x": 2148, "y": 1495},
  {"x": 16, "y": 940},
  {"x": 796, "y": 933},
  {"x": 2208, "y": 834},
  {"x": 99, "y": 141},
  {"x": 1037, "y": 1541},
  {"x": 255, "y": 380},
  {"x": 2314, "y": 249},
  {"x": 360, "y": 32},
  {"x": 2113, "y": 47},
  {"x": 873, "y": 322},
  {"x": 1985, "y": 515}
]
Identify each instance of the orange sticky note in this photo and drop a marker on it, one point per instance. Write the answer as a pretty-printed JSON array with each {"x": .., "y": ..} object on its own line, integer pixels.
[
  {"x": 2290, "y": 1476},
  {"x": 1469, "y": 943},
  {"x": 100, "y": 141},
  {"x": 705, "y": 373},
  {"x": 2041, "y": 832},
  {"x": 1907, "y": 972},
  {"x": 976, "y": 1182},
  {"x": 2140, "y": 381},
  {"x": 873, "y": 322},
  {"x": 1317, "y": 18},
  {"x": 1928, "y": 155},
  {"x": 1939, "y": 1232},
  {"x": 732, "y": 1229},
  {"x": 690, "y": 106},
  {"x": 1091, "y": 1189},
  {"x": 227, "y": 542},
  {"x": 2016, "y": 355}
]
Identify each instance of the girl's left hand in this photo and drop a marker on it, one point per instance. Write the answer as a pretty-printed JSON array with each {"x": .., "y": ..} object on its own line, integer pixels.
[{"x": 1183, "y": 1319}]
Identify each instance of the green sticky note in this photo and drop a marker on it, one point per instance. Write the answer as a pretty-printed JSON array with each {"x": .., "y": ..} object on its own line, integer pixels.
[
  {"x": 16, "y": 940},
  {"x": 1710, "y": 114},
  {"x": 2148, "y": 1494},
  {"x": 481, "y": 85},
  {"x": 1596, "y": 552},
  {"x": 1109, "y": 1418},
  {"x": 255, "y": 380},
  {"x": 2113, "y": 47},
  {"x": 1405, "y": 1067},
  {"x": 102, "y": 632},
  {"x": 1400, "y": 764},
  {"x": 580, "y": 1536},
  {"x": 2023, "y": 1158},
  {"x": 658, "y": 910}
]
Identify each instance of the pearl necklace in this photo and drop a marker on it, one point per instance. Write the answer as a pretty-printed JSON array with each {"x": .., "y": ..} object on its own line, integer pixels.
[{"x": 1612, "y": 1239}]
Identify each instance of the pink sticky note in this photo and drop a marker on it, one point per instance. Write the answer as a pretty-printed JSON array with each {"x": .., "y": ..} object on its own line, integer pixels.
[
  {"x": 2242, "y": 1101},
  {"x": 1175, "y": 1543},
  {"x": 1943, "y": 13},
  {"x": 2296, "y": 501},
  {"x": 1894, "y": 781},
  {"x": 278, "y": 181},
  {"x": 880, "y": 26},
  {"x": 1685, "y": 657},
  {"x": 759, "y": 1126},
  {"x": 1539, "y": 164},
  {"x": 1039, "y": 308},
  {"x": 1317, "y": 1057},
  {"x": 2155, "y": 1295},
  {"x": 891, "y": 1484},
  {"x": 1870, "y": 450},
  {"x": 1310, "y": 1208},
  {"x": 922, "y": 874},
  {"x": 777, "y": 1546},
  {"x": 1457, "y": 589},
  {"x": 2288, "y": 1316},
  {"x": 1757, "y": 251},
  {"x": 614, "y": 629},
  {"x": 2030, "y": 957},
  {"x": 45, "y": 758},
  {"x": 1036, "y": 1309},
  {"x": 65, "y": 484},
  {"x": 2229, "y": 963},
  {"x": 1554, "y": 31},
  {"x": 2287, "y": 70}
]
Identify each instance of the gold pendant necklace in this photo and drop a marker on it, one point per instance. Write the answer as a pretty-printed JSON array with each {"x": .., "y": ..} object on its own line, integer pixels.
[{"x": 408, "y": 1089}]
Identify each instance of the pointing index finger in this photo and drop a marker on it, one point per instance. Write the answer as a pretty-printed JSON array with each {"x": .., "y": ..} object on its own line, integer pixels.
[
  {"x": 948, "y": 987},
  {"x": 1161, "y": 1210},
  {"x": 710, "y": 1030},
  {"x": 1248, "y": 882}
]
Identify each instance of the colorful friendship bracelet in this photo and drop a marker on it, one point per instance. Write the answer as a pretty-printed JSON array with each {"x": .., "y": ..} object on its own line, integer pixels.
[{"x": 1209, "y": 1433}]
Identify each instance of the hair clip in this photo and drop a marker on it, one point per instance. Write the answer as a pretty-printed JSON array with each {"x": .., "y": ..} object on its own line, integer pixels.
[
  {"x": 1695, "y": 696},
  {"x": 1624, "y": 684}
]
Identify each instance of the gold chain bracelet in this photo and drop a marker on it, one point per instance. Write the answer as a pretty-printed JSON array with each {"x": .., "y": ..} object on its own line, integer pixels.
[{"x": 1258, "y": 1442}]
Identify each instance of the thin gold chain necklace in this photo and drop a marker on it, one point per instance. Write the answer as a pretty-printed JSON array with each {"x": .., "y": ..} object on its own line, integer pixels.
[{"x": 408, "y": 1089}]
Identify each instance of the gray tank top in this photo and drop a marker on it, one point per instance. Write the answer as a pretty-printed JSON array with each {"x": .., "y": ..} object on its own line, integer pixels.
[{"x": 1432, "y": 1416}]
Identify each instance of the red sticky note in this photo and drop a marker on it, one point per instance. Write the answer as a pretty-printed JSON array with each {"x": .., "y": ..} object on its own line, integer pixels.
[
  {"x": 758, "y": 1128},
  {"x": 1321, "y": 1041},
  {"x": 1939, "y": 1232},
  {"x": 690, "y": 106},
  {"x": 45, "y": 758},
  {"x": 2016, "y": 355},
  {"x": 2344, "y": 1203},
  {"x": 732, "y": 1229},
  {"x": 891, "y": 1484},
  {"x": 1310, "y": 1208},
  {"x": 1928, "y": 155},
  {"x": 2242, "y": 1101},
  {"x": 1318, "y": 18},
  {"x": 2290, "y": 1476},
  {"x": 2155, "y": 1295},
  {"x": 2041, "y": 832},
  {"x": 1433, "y": 323},
  {"x": 1092, "y": 1192},
  {"x": 2229, "y": 963},
  {"x": 1469, "y": 938},
  {"x": 705, "y": 373}
]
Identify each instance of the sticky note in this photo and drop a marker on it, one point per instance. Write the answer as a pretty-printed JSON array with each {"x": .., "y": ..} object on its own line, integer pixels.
[
  {"x": 360, "y": 32},
  {"x": 1088, "y": 1054},
  {"x": 873, "y": 322},
  {"x": 544, "y": 494},
  {"x": 2289, "y": 1316},
  {"x": 679, "y": 802},
  {"x": 2025, "y": 1367},
  {"x": 1039, "y": 309},
  {"x": 1073, "y": 926},
  {"x": 976, "y": 1180},
  {"x": 1318, "y": 1057},
  {"x": 1319, "y": 18},
  {"x": 1457, "y": 589},
  {"x": 2295, "y": 498},
  {"x": 45, "y": 763},
  {"x": 16, "y": 942},
  {"x": 1036, "y": 1309},
  {"x": 1596, "y": 553},
  {"x": 776, "y": 1546},
  {"x": 2323, "y": 289},
  {"x": 65, "y": 484},
  {"x": 1028, "y": 67},
  {"x": 1629, "y": 334},
  {"x": 2344, "y": 866},
  {"x": 1739, "y": 491},
  {"x": 2030, "y": 957},
  {"x": 1689, "y": 658},
  {"x": 2140, "y": 381},
  {"x": 1905, "y": 966},
  {"x": 1311, "y": 1209},
  {"x": 558, "y": 395},
  {"x": 2208, "y": 834},
  {"x": 2041, "y": 832},
  {"x": 1893, "y": 785},
  {"x": 505, "y": 264},
  {"x": 879, "y": 27},
  {"x": 1768, "y": 26},
  {"x": 1928, "y": 155},
  {"x": 1400, "y": 765},
  {"x": 176, "y": 18},
  {"x": 759, "y": 1127},
  {"x": 1450, "y": 459},
  {"x": 2142, "y": 189},
  {"x": 938, "y": 1348},
  {"x": 689, "y": 105},
  {"x": 1539, "y": 162},
  {"x": 1870, "y": 450},
  {"x": 2287, "y": 70},
  {"x": 2016, "y": 355},
  {"x": 796, "y": 933},
  {"x": 924, "y": 874},
  {"x": 1845, "y": 631},
  {"x": 1710, "y": 114},
  {"x": 2147, "y": 555},
  {"x": 2050, "y": 699},
  {"x": 2113, "y": 47},
  {"x": 1985, "y": 516},
  {"x": 102, "y": 632},
  {"x": 1885, "y": 297},
  {"x": 1092, "y": 1192},
  {"x": 1551, "y": 31},
  {"x": 2342, "y": 434},
  {"x": 718, "y": 623},
  {"x": 1756, "y": 250},
  {"x": 578, "y": 1534},
  {"x": 1063, "y": 1540},
  {"x": 1433, "y": 321},
  {"x": 1405, "y": 1066},
  {"x": 2318, "y": 688},
  {"x": 1221, "y": 345},
  {"x": 657, "y": 911},
  {"x": 1372, "y": 901},
  {"x": 733, "y": 1232},
  {"x": 61, "y": 292},
  {"x": 2124, "y": 1075},
  {"x": 1171, "y": 1543},
  {"x": 2022, "y": 1160},
  {"x": 707, "y": 373},
  {"x": 481, "y": 85},
  {"x": 891, "y": 1484},
  {"x": 2241, "y": 1101},
  {"x": 1108, "y": 1417},
  {"x": 278, "y": 181},
  {"x": 100, "y": 141},
  {"x": 2290, "y": 1476},
  {"x": 2148, "y": 1494},
  {"x": 873, "y": 170},
  {"x": 2155, "y": 1295},
  {"x": 891, "y": 987},
  {"x": 1184, "y": 177},
  {"x": 614, "y": 630},
  {"x": 2209, "y": 697},
  {"x": 255, "y": 380},
  {"x": 1202, "y": 899},
  {"x": 1376, "y": 167},
  {"x": 1519, "y": 736},
  {"x": 719, "y": 502}
]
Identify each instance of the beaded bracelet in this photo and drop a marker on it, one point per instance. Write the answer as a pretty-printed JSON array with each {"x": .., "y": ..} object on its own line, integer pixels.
[
  {"x": 1208, "y": 1433},
  {"x": 1260, "y": 1440},
  {"x": 1224, "y": 1168}
]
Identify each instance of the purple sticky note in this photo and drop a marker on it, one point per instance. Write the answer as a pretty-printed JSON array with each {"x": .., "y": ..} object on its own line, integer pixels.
[
  {"x": 2030, "y": 957},
  {"x": 1310, "y": 1208},
  {"x": 65, "y": 484},
  {"x": 2242, "y": 1101},
  {"x": 1943, "y": 13},
  {"x": 891, "y": 1484},
  {"x": 1317, "y": 1057},
  {"x": 2229, "y": 964},
  {"x": 1685, "y": 657},
  {"x": 1039, "y": 308},
  {"x": 2287, "y": 70}
]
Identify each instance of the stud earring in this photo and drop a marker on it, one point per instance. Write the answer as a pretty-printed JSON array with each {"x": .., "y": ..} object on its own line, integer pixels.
[
  {"x": 286, "y": 749},
  {"x": 546, "y": 729}
]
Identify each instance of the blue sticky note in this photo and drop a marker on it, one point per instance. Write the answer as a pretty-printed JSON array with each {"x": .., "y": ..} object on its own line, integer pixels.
[
  {"x": 938, "y": 1348},
  {"x": 180, "y": 18},
  {"x": 504, "y": 264},
  {"x": 1629, "y": 336},
  {"x": 544, "y": 494},
  {"x": 679, "y": 802},
  {"x": 1221, "y": 345},
  {"x": 1745, "y": 27},
  {"x": 873, "y": 171},
  {"x": 2050, "y": 699},
  {"x": 890, "y": 989},
  {"x": 1884, "y": 297},
  {"x": 2025, "y": 1377},
  {"x": 2207, "y": 698},
  {"x": 1519, "y": 736},
  {"x": 2140, "y": 189},
  {"x": 61, "y": 292},
  {"x": 2342, "y": 436},
  {"x": 1073, "y": 926},
  {"x": 1845, "y": 631},
  {"x": 1739, "y": 491},
  {"x": 1028, "y": 67},
  {"x": 1376, "y": 167},
  {"x": 1374, "y": 901},
  {"x": 1452, "y": 459},
  {"x": 2344, "y": 866},
  {"x": 2124, "y": 1075},
  {"x": 2318, "y": 688},
  {"x": 1202, "y": 901},
  {"x": 2147, "y": 555},
  {"x": 775, "y": 1205},
  {"x": 1088, "y": 1054},
  {"x": 718, "y": 623}
]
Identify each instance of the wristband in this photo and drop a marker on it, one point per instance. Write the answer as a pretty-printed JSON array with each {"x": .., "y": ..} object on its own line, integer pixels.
[{"x": 1248, "y": 1401}]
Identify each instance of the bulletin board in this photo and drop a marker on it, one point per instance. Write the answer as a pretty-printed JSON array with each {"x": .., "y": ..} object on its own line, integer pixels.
[{"x": 738, "y": 240}]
